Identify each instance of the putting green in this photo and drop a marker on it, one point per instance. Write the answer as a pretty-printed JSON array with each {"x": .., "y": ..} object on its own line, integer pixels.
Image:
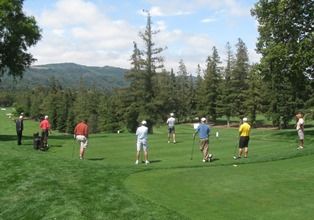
[{"x": 271, "y": 190}]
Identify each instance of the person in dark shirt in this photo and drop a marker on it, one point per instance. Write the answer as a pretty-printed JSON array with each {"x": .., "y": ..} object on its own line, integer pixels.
[{"x": 19, "y": 129}]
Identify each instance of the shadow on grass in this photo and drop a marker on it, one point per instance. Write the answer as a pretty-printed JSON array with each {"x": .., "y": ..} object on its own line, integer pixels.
[
  {"x": 13, "y": 138},
  {"x": 214, "y": 159},
  {"x": 96, "y": 158},
  {"x": 155, "y": 161}
]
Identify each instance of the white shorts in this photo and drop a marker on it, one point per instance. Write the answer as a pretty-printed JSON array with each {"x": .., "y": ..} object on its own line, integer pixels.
[
  {"x": 301, "y": 134},
  {"x": 83, "y": 141},
  {"x": 141, "y": 144}
]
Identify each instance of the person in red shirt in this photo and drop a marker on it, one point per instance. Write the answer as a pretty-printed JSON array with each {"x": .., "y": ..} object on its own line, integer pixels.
[
  {"x": 45, "y": 129},
  {"x": 81, "y": 135}
]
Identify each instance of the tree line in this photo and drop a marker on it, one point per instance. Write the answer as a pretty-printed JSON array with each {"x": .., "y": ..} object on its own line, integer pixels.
[{"x": 277, "y": 87}]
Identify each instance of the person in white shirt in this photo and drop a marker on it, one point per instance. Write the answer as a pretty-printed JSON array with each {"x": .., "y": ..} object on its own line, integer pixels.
[
  {"x": 141, "y": 133},
  {"x": 171, "y": 129},
  {"x": 300, "y": 130}
]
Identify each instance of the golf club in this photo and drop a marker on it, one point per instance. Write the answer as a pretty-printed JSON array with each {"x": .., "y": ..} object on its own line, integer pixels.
[
  {"x": 73, "y": 147},
  {"x": 193, "y": 147},
  {"x": 235, "y": 152}
]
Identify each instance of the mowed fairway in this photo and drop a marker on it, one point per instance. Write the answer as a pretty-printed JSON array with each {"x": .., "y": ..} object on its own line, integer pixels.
[{"x": 275, "y": 182}]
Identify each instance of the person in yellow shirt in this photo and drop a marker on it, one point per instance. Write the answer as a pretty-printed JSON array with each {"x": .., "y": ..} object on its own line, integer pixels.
[{"x": 244, "y": 133}]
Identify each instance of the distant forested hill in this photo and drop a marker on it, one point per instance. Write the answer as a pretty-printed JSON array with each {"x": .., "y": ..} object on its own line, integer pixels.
[{"x": 69, "y": 75}]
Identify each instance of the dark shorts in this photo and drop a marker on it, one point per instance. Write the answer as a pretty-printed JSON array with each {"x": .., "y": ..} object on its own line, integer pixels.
[
  {"x": 244, "y": 141},
  {"x": 44, "y": 133},
  {"x": 171, "y": 130}
]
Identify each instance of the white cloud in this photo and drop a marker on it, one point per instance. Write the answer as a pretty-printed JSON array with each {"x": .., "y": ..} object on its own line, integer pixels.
[
  {"x": 77, "y": 31},
  {"x": 208, "y": 20}
]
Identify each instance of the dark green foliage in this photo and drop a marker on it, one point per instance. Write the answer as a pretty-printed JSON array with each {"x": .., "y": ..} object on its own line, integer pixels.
[
  {"x": 286, "y": 44},
  {"x": 239, "y": 81},
  {"x": 212, "y": 83},
  {"x": 18, "y": 32}
]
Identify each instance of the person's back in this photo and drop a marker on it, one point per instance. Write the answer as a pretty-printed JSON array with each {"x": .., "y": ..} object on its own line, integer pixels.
[
  {"x": 81, "y": 129},
  {"x": 44, "y": 124},
  {"x": 203, "y": 131},
  {"x": 245, "y": 129},
  {"x": 141, "y": 132},
  {"x": 171, "y": 122}
]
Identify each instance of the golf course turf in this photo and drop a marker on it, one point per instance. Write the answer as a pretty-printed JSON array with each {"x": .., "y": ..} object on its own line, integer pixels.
[{"x": 275, "y": 182}]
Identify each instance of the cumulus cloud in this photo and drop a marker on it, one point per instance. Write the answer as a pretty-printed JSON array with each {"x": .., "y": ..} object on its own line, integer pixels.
[
  {"x": 80, "y": 31},
  {"x": 77, "y": 31}
]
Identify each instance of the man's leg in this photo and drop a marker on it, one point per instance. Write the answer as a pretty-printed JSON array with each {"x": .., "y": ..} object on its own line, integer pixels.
[
  {"x": 19, "y": 138},
  {"x": 145, "y": 155},
  {"x": 82, "y": 151},
  {"x": 205, "y": 152},
  {"x": 174, "y": 137},
  {"x": 246, "y": 151},
  {"x": 240, "y": 152}
]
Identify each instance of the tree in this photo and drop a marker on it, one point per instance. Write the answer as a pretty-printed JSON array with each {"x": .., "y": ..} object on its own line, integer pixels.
[
  {"x": 18, "y": 32},
  {"x": 183, "y": 91},
  {"x": 226, "y": 94},
  {"x": 143, "y": 75},
  {"x": 254, "y": 99},
  {"x": 239, "y": 80},
  {"x": 212, "y": 81},
  {"x": 286, "y": 43}
]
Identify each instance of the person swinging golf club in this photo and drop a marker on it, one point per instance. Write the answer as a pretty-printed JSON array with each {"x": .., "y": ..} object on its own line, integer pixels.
[
  {"x": 141, "y": 133},
  {"x": 203, "y": 131},
  {"x": 244, "y": 133}
]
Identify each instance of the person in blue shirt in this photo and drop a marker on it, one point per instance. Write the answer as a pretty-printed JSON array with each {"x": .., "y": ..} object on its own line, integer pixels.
[{"x": 203, "y": 131}]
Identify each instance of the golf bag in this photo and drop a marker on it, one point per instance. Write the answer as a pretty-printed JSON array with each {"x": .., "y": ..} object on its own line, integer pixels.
[{"x": 38, "y": 142}]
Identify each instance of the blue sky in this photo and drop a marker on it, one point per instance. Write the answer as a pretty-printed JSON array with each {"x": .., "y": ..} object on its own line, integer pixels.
[{"x": 101, "y": 32}]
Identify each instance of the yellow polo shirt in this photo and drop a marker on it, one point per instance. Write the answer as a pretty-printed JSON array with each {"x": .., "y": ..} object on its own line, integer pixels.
[{"x": 245, "y": 129}]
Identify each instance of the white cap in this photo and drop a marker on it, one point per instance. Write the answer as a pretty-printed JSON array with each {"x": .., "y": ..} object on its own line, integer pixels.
[
  {"x": 143, "y": 122},
  {"x": 171, "y": 114},
  {"x": 244, "y": 119},
  {"x": 203, "y": 119},
  {"x": 46, "y": 116}
]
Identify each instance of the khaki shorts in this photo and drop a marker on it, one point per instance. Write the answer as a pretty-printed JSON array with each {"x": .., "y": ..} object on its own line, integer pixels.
[
  {"x": 83, "y": 141},
  {"x": 141, "y": 144},
  {"x": 301, "y": 134}
]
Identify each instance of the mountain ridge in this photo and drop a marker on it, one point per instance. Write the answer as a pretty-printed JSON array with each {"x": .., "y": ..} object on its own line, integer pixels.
[{"x": 69, "y": 75}]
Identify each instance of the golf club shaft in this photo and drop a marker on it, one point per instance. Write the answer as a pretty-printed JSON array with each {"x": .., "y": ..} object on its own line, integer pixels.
[{"x": 192, "y": 148}]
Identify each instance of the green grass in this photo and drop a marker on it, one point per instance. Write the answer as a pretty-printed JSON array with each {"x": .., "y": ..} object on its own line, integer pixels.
[{"x": 273, "y": 183}]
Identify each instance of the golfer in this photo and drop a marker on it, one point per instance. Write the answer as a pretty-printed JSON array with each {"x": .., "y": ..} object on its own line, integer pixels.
[
  {"x": 244, "y": 133},
  {"x": 45, "y": 129},
  {"x": 141, "y": 133},
  {"x": 203, "y": 131},
  {"x": 19, "y": 129},
  {"x": 300, "y": 130},
  {"x": 81, "y": 135},
  {"x": 171, "y": 129}
]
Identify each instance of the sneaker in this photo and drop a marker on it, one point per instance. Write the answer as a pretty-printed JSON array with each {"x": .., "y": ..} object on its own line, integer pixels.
[
  {"x": 136, "y": 162},
  {"x": 146, "y": 162},
  {"x": 174, "y": 142},
  {"x": 81, "y": 158},
  {"x": 300, "y": 148},
  {"x": 204, "y": 161},
  {"x": 168, "y": 142}
]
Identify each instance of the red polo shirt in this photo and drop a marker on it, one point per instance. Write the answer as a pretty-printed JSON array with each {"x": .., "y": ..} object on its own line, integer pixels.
[
  {"x": 81, "y": 129},
  {"x": 44, "y": 124}
]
